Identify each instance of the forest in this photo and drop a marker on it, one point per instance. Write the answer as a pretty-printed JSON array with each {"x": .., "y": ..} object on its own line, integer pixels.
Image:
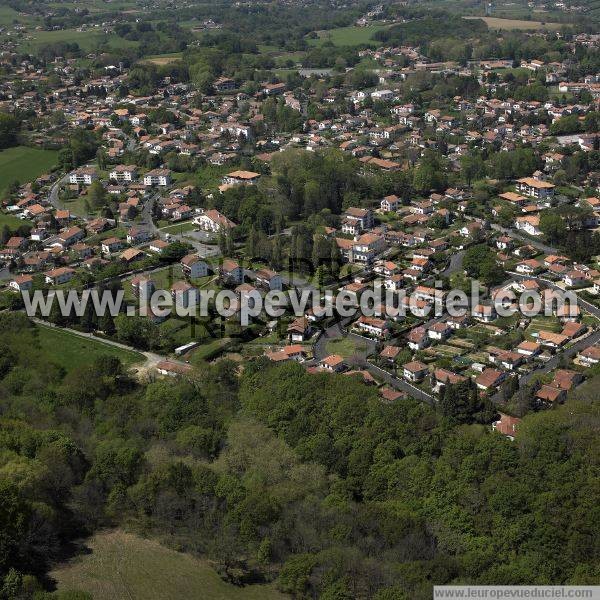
[{"x": 276, "y": 474}]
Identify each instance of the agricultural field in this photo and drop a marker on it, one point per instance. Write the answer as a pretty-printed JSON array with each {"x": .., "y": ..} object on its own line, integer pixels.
[
  {"x": 119, "y": 566},
  {"x": 510, "y": 24},
  {"x": 24, "y": 164},
  {"x": 71, "y": 351}
]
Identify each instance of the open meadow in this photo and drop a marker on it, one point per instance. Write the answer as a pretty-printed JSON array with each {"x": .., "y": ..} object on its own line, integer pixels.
[
  {"x": 24, "y": 164},
  {"x": 122, "y": 566}
]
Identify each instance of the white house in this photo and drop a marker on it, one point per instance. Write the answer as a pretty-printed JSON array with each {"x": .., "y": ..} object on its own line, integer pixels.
[
  {"x": 157, "y": 177},
  {"x": 213, "y": 220},
  {"x": 390, "y": 203},
  {"x": 60, "y": 275},
  {"x": 184, "y": 294},
  {"x": 534, "y": 188},
  {"x": 193, "y": 267},
  {"x": 415, "y": 371},
  {"x": 124, "y": 173},
  {"x": 232, "y": 272},
  {"x": 530, "y": 224},
  {"x": 269, "y": 279},
  {"x": 22, "y": 283},
  {"x": 83, "y": 176}
]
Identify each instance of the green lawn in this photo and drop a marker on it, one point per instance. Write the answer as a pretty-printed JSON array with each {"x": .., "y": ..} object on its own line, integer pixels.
[
  {"x": 179, "y": 228},
  {"x": 347, "y": 36},
  {"x": 87, "y": 40},
  {"x": 345, "y": 347},
  {"x": 12, "y": 222},
  {"x": 24, "y": 164},
  {"x": 71, "y": 351},
  {"x": 122, "y": 566}
]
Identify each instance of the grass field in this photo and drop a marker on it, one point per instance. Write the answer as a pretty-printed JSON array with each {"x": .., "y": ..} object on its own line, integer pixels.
[
  {"x": 24, "y": 164},
  {"x": 71, "y": 351},
  {"x": 87, "y": 40},
  {"x": 347, "y": 36},
  {"x": 122, "y": 566},
  {"x": 163, "y": 59},
  {"x": 183, "y": 227},
  {"x": 498, "y": 23},
  {"x": 12, "y": 222},
  {"x": 345, "y": 347}
]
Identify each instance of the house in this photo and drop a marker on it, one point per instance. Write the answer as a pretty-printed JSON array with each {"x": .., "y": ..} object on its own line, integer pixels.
[
  {"x": 213, "y": 220},
  {"x": 184, "y": 294},
  {"x": 372, "y": 325},
  {"x": 529, "y": 224},
  {"x": 415, "y": 371},
  {"x": 574, "y": 278},
  {"x": 528, "y": 349},
  {"x": 193, "y": 267},
  {"x": 124, "y": 173},
  {"x": 390, "y": 395},
  {"x": 439, "y": 331},
  {"x": 356, "y": 220},
  {"x": 181, "y": 212},
  {"x": 111, "y": 245},
  {"x": 551, "y": 339},
  {"x": 528, "y": 267},
  {"x": 534, "y": 188},
  {"x": 484, "y": 312},
  {"x": 223, "y": 84},
  {"x": 589, "y": 356},
  {"x": 241, "y": 178},
  {"x": 299, "y": 330},
  {"x": 418, "y": 339},
  {"x": 157, "y": 177},
  {"x": 137, "y": 235},
  {"x": 131, "y": 255},
  {"x": 513, "y": 198},
  {"x": 142, "y": 286},
  {"x": 366, "y": 248},
  {"x": 157, "y": 246},
  {"x": 231, "y": 272},
  {"x": 22, "y": 283},
  {"x": 459, "y": 321},
  {"x": 507, "y": 360},
  {"x": 507, "y": 426},
  {"x": 441, "y": 377},
  {"x": 550, "y": 394},
  {"x": 566, "y": 379},
  {"x": 293, "y": 352},
  {"x": 59, "y": 275},
  {"x": 489, "y": 379},
  {"x": 269, "y": 279},
  {"x": 390, "y": 203},
  {"x": 390, "y": 353},
  {"x": 70, "y": 236},
  {"x": 333, "y": 363},
  {"x": 81, "y": 251},
  {"x": 173, "y": 369},
  {"x": 274, "y": 89},
  {"x": 83, "y": 176}
]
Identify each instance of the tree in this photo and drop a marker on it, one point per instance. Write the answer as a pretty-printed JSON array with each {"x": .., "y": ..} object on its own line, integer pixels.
[
  {"x": 553, "y": 227},
  {"x": 9, "y": 127},
  {"x": 472, "y": 167},
  {"x": 461, "y": 403},
  {"x": 97, "y": 194}
]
